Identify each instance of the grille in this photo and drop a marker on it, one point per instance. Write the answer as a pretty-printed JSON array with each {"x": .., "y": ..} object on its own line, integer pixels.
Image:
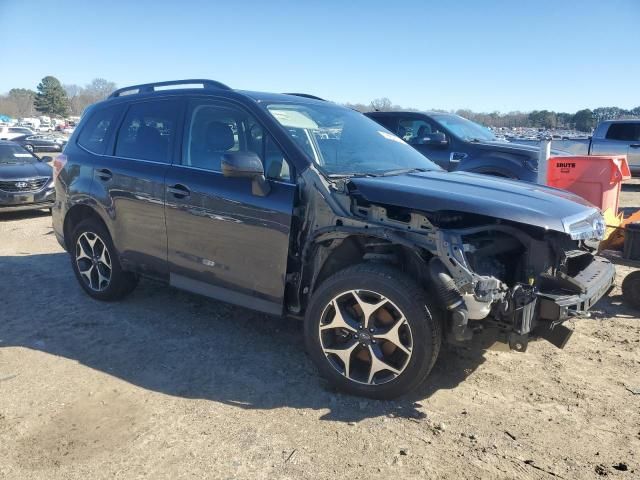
[{"x": 26, "y": 185}]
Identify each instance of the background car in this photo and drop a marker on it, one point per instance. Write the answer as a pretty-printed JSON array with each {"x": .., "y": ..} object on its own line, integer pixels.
[
  {"x": 458, "y": 144},
  {"x": 40, "y": 143},
  {"x": 26, "y": 181},
  {"x": 7, "y": 132}
]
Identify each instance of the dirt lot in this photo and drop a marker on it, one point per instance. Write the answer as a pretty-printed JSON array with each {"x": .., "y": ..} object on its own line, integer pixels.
[{"x": 171, "y": 385}]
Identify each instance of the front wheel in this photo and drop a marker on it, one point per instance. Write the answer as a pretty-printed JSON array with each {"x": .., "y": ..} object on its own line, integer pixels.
[
  {"x": 95, "y": 262},
  {"x": 371, "y": 331}
]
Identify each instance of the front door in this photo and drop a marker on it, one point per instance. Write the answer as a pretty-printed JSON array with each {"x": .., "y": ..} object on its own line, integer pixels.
[{"x": 224, "y": 241}]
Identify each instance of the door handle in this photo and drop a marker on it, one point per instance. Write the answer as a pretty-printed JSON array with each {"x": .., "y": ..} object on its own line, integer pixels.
[
  {"x": 635, "y": 145},
  {"x": 104, "y": 174},
  {"x": 179, "y": 191}
]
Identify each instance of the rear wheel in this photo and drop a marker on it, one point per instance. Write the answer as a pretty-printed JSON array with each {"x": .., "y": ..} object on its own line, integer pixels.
[
  {"x": 371, "y": 332},
  {"x": 631, "y": 289},
  {"x": 96, "y": 265}
]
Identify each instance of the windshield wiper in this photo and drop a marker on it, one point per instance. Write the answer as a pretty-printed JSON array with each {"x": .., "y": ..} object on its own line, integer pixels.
[
  {"x": 401, "y": 171},
  {"x": 351, "y": 175},
  {"x": 388, "y": 173}
]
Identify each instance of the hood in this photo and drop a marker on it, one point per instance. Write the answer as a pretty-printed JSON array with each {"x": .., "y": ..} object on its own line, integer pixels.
[
  {"x": 18, "y": 171},
  {"x": 521, "y": 202},
  {"x": 515, "y": 148}
]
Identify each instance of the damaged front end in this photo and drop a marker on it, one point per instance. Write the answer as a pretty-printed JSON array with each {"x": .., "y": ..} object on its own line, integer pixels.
[
  {"x": 525, "y": 281},
  {"x": 510, "y": 255}
]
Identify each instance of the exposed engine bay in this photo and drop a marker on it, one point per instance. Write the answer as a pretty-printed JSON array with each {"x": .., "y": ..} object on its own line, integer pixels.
[{"x": 523, "y": 279}]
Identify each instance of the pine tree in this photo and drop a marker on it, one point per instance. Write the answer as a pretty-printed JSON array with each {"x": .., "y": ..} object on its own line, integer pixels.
[{"x": 51, "y": 98}]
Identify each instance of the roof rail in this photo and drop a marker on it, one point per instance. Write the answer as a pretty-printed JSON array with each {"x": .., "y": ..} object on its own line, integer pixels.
[
  {"x": 306, "y": 95},
  {"x": 151, "y": 87}
]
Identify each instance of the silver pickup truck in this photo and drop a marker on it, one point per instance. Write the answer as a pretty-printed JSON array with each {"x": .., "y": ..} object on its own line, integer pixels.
[{"x": 618, "y": 137}]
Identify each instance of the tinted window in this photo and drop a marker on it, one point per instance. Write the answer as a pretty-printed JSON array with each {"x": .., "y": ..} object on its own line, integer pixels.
[
  {"x": 95, "y": 133},
  {"x": 215, "y": 130},
  {"x": 624, "y": 131},
  {"x": 413, "y": 130},
  {"x": 147, "y": 131}
]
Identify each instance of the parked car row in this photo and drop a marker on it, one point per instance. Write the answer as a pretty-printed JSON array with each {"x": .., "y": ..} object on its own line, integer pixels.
[
  {"x": 291, "y": 205},
  {"x": 26, "y": 181}
]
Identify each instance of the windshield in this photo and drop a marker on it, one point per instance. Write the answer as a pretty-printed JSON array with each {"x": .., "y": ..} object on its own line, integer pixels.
[
  {"x": 345, "y": 142},
  {"x": 464, "y": 129},
  {"x": 15, "y": 154}
]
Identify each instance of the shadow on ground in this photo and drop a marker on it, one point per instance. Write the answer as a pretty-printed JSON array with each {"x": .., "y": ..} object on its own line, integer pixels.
[
  {"x": 184, "y": 345},
  {"x": 23, "y": 215}
]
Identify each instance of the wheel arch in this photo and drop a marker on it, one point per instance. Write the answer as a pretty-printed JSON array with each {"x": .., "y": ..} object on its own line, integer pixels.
[
  {"x": 77, "y": 214},
  {"x": 331, "y": 256}
]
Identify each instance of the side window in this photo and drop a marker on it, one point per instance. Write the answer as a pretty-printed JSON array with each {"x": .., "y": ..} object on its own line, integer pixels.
[
  {"x": 95, "y": 133},
  {"x": 147, "y": 131},
  {"x": 215, "y": 130},
  {"x": 414, "y": 130},
  {"x": 623, "y": 131}
]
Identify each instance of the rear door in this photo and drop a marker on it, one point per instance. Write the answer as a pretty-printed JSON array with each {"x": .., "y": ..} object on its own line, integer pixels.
[
  {"x": 225, "y": 242},
  {"x": 131, "y": 182}
]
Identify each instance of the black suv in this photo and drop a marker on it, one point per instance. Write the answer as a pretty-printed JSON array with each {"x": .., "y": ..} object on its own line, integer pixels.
[
  {"x": 455, "y": 143},
  {"x": 295, "y": 206}
]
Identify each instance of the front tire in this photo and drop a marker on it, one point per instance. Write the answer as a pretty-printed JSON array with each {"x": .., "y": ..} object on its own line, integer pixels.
[
  {"x": 371, "y": 331},
  {"x": 95, "y": 262}
]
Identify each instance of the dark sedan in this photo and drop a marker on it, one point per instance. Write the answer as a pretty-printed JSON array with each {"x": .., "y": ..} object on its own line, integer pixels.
[
  {"x": 40, "y": 143},
  {"x": 26, "y": 181}
]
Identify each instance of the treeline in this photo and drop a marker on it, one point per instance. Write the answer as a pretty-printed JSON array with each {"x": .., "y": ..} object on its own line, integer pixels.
[
  {"x": 54, "y": 99},
  {"x": 583, "y": 120}
]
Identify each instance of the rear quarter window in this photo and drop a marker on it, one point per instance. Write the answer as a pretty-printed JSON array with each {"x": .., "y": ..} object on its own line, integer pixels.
[{"x": 95, "y": 133}]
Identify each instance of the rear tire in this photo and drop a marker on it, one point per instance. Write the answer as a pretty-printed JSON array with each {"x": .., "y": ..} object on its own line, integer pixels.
[
  {"x": 95, "y": 262},
  {"x": 371, "y": 331},
  {"x": 631, "y": 289}
]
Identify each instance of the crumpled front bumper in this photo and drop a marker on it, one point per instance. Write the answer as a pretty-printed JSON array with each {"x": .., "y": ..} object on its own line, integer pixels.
[
  {"x": 591, "y": 284},
  {"x": 540, "y": 311}
]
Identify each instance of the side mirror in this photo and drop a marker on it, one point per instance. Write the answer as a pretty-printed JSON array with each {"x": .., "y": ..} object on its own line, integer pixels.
[
  {"x": 246, "y": 165},
  {"x": 46, "y": 159}
]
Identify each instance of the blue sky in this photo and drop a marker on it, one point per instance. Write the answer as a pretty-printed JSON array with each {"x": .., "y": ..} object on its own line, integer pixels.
[{"x": 484, "y": 55}]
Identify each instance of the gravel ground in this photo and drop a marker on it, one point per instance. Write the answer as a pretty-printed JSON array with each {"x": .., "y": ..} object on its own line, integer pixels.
[{"x": 170, "y": 385}]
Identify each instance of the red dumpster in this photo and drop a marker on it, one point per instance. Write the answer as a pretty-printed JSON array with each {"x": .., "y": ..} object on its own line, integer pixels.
[{"x": 595, "y": 178}]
